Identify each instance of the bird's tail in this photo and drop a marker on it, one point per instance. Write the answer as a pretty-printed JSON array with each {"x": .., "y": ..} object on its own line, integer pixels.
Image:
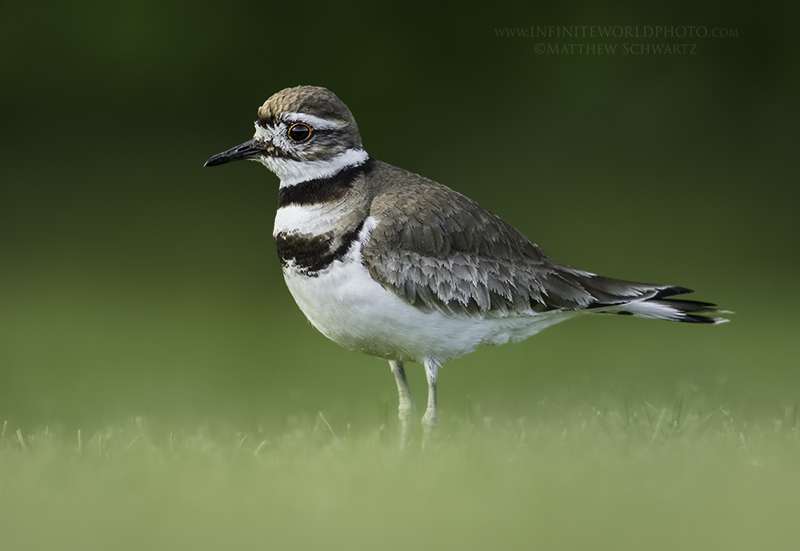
[{"x": 614, "y": 296}]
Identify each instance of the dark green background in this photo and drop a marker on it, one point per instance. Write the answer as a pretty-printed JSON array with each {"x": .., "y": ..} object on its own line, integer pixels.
[{"x": 135, "y": 282}]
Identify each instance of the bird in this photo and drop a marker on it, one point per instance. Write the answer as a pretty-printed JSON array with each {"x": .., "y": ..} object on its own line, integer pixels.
[{"x": 391, "y": 264}]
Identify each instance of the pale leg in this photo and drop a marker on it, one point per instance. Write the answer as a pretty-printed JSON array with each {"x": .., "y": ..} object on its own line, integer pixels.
[
  {"x": 405, "y": 408},
  {"x": 431, "y": 417}
]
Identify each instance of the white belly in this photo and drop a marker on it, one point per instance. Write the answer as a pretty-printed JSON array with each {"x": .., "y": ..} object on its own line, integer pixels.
[{"x": 347, "y": 306}]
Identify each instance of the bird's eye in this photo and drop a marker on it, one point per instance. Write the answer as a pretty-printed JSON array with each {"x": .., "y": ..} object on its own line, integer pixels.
[{"x": 299, "y": 132}]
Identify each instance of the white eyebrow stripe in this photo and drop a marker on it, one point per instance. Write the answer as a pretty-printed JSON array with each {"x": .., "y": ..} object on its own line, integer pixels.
[{"x": 311, "y": 120}]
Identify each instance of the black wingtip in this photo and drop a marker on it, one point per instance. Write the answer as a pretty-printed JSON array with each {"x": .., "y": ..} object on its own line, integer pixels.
[{"x": 671, "y": 292}]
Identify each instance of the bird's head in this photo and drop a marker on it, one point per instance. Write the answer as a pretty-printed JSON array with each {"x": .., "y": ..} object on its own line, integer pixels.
[{"x": 301, "y": 132}]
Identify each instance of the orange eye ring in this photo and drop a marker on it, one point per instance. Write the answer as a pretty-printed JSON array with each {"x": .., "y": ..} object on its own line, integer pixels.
[{"x": 299, "y": 132}]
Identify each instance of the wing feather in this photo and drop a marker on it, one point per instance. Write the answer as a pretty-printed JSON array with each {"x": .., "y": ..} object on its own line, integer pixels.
[{"x": 441, "y": 251}]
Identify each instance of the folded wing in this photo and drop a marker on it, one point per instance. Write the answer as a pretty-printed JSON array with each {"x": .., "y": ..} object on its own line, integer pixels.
[{"x": 440, "y": 251}]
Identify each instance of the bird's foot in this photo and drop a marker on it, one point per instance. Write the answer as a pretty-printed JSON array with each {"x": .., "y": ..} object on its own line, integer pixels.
[{"x": 430, "y": 422}]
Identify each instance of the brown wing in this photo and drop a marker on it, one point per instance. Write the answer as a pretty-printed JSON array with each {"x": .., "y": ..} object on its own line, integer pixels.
[{"x": 439, "y": 250}]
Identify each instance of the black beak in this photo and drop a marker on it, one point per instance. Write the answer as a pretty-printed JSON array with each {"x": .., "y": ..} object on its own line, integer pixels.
[{"x": 248, "y": 150}]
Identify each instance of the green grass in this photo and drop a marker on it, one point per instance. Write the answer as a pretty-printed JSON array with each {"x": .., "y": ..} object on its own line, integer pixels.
[{"x": 615, "y": 476}]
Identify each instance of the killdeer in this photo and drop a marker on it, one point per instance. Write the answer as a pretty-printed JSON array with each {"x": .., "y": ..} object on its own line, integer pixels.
[{"x": 394, "y": 265}]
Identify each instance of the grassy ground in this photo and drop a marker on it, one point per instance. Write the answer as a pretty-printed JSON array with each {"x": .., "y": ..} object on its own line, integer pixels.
[{"x": 571, "y": 476}]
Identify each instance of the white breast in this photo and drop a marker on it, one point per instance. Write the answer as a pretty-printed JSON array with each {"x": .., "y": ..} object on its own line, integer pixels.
[{"x": 310, "y": 219}]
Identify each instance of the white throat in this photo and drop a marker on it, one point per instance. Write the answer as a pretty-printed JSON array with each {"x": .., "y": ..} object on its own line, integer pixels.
[{"x": 293, "y": 172}]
